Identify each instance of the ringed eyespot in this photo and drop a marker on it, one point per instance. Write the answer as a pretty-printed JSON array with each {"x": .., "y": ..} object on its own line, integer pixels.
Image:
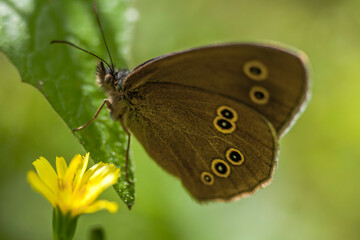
[
  {"x": 227, "y": 112},
  {"x": 220, "y": 168},
  {"x": 234, "y": 156},
  {"x": 224, "y": 125},
  {"x": 207, "y": 178},
  {"x": 259, "y": 95},
  {"x": 255, "y": 70}
]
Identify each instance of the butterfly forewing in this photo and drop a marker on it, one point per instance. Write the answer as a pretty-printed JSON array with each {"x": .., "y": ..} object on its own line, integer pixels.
[
  {"x": 268, "y": 79},
  {"x": 218, "y": 147}
]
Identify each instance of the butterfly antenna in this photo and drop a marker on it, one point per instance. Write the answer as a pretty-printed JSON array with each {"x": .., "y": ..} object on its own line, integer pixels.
[
  {"x": 102, "y": 33},
  {"x": 73, "y": 45}
]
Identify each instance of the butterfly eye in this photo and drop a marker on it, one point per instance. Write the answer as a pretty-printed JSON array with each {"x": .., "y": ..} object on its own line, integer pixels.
[
  {"x": 259, "y": 95},
  {"x": 255, "y": 70},
  {"x": 207, "y": 178},
  {"x": 227, "y": 112},
  {"x": 108, "y": 78},
  {"x": 224, "y": 125},
  {"x": 234, "y": 156},
  {"x": 220, "y": 168}
]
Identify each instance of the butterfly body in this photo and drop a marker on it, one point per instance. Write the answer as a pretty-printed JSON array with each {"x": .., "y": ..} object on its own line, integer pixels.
[{"x": 211, "y": 116}]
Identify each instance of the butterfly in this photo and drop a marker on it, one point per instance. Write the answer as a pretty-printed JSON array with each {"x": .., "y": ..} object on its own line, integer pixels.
[{"x": 211, "y": 116}]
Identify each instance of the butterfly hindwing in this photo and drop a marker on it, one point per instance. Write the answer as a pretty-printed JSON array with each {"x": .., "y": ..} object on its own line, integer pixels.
[{"x": 218, "y": 147}]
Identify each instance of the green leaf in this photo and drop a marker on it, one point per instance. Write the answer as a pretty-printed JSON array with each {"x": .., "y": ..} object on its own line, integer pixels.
[{"x": 65, "y": 75}]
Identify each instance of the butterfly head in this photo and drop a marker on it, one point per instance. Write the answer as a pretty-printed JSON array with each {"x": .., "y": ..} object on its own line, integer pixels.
[{"x": 109, "y": 78}]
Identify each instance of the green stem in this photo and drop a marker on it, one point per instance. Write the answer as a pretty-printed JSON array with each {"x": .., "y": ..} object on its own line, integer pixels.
[{"x": 63, "y": 225}]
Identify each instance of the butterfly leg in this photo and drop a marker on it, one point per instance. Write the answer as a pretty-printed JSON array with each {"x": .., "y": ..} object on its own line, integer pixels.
[
  {"x": 127, "y": 151},
  {"x": 107, "y": 102}
]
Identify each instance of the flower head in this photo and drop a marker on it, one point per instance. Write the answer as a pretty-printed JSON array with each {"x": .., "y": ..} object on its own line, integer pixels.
[{"x": 73, "y": 190}]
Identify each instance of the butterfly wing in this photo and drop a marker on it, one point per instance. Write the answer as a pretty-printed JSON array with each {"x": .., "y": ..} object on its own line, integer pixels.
[
  {"x": 268, "y": 79},
  {"x": 218, "y": 147}
]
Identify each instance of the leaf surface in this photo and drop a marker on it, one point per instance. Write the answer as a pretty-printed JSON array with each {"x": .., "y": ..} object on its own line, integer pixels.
[{"x": 65, "y": 75}]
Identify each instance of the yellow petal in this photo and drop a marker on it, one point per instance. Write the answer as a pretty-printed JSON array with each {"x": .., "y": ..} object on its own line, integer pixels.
[
  {"x": 109, "y": 177},
  {"x": 74, "y": 189},
  {"x": 95, "y": 169},
  {"x": 102, "y": 179},
  {"x": 80, "y": 172},
  {"x": 73, "y": 167},
  {"x": 100, "y": 205},
  {"x": 46, "y": 173},
  {"x": 90, "y": 173},
  {"x": 106, "y": 175},
  {"x": 61, "y": 167},
  {"x": 41, "y": 187}
]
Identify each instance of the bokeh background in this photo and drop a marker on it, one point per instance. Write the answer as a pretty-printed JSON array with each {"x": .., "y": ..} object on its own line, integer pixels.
[{"x": 315, "y": 193}]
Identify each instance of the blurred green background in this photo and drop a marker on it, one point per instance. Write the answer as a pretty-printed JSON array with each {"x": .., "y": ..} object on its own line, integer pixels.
[{"x": 315, "y": 192}]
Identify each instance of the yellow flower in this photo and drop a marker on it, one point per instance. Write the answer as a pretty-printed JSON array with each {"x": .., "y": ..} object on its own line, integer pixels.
[{"x": 74, "y": 190}]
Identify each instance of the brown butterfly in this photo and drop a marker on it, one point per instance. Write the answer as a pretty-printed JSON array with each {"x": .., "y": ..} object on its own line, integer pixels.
[{"x": 210, "y": 116}]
